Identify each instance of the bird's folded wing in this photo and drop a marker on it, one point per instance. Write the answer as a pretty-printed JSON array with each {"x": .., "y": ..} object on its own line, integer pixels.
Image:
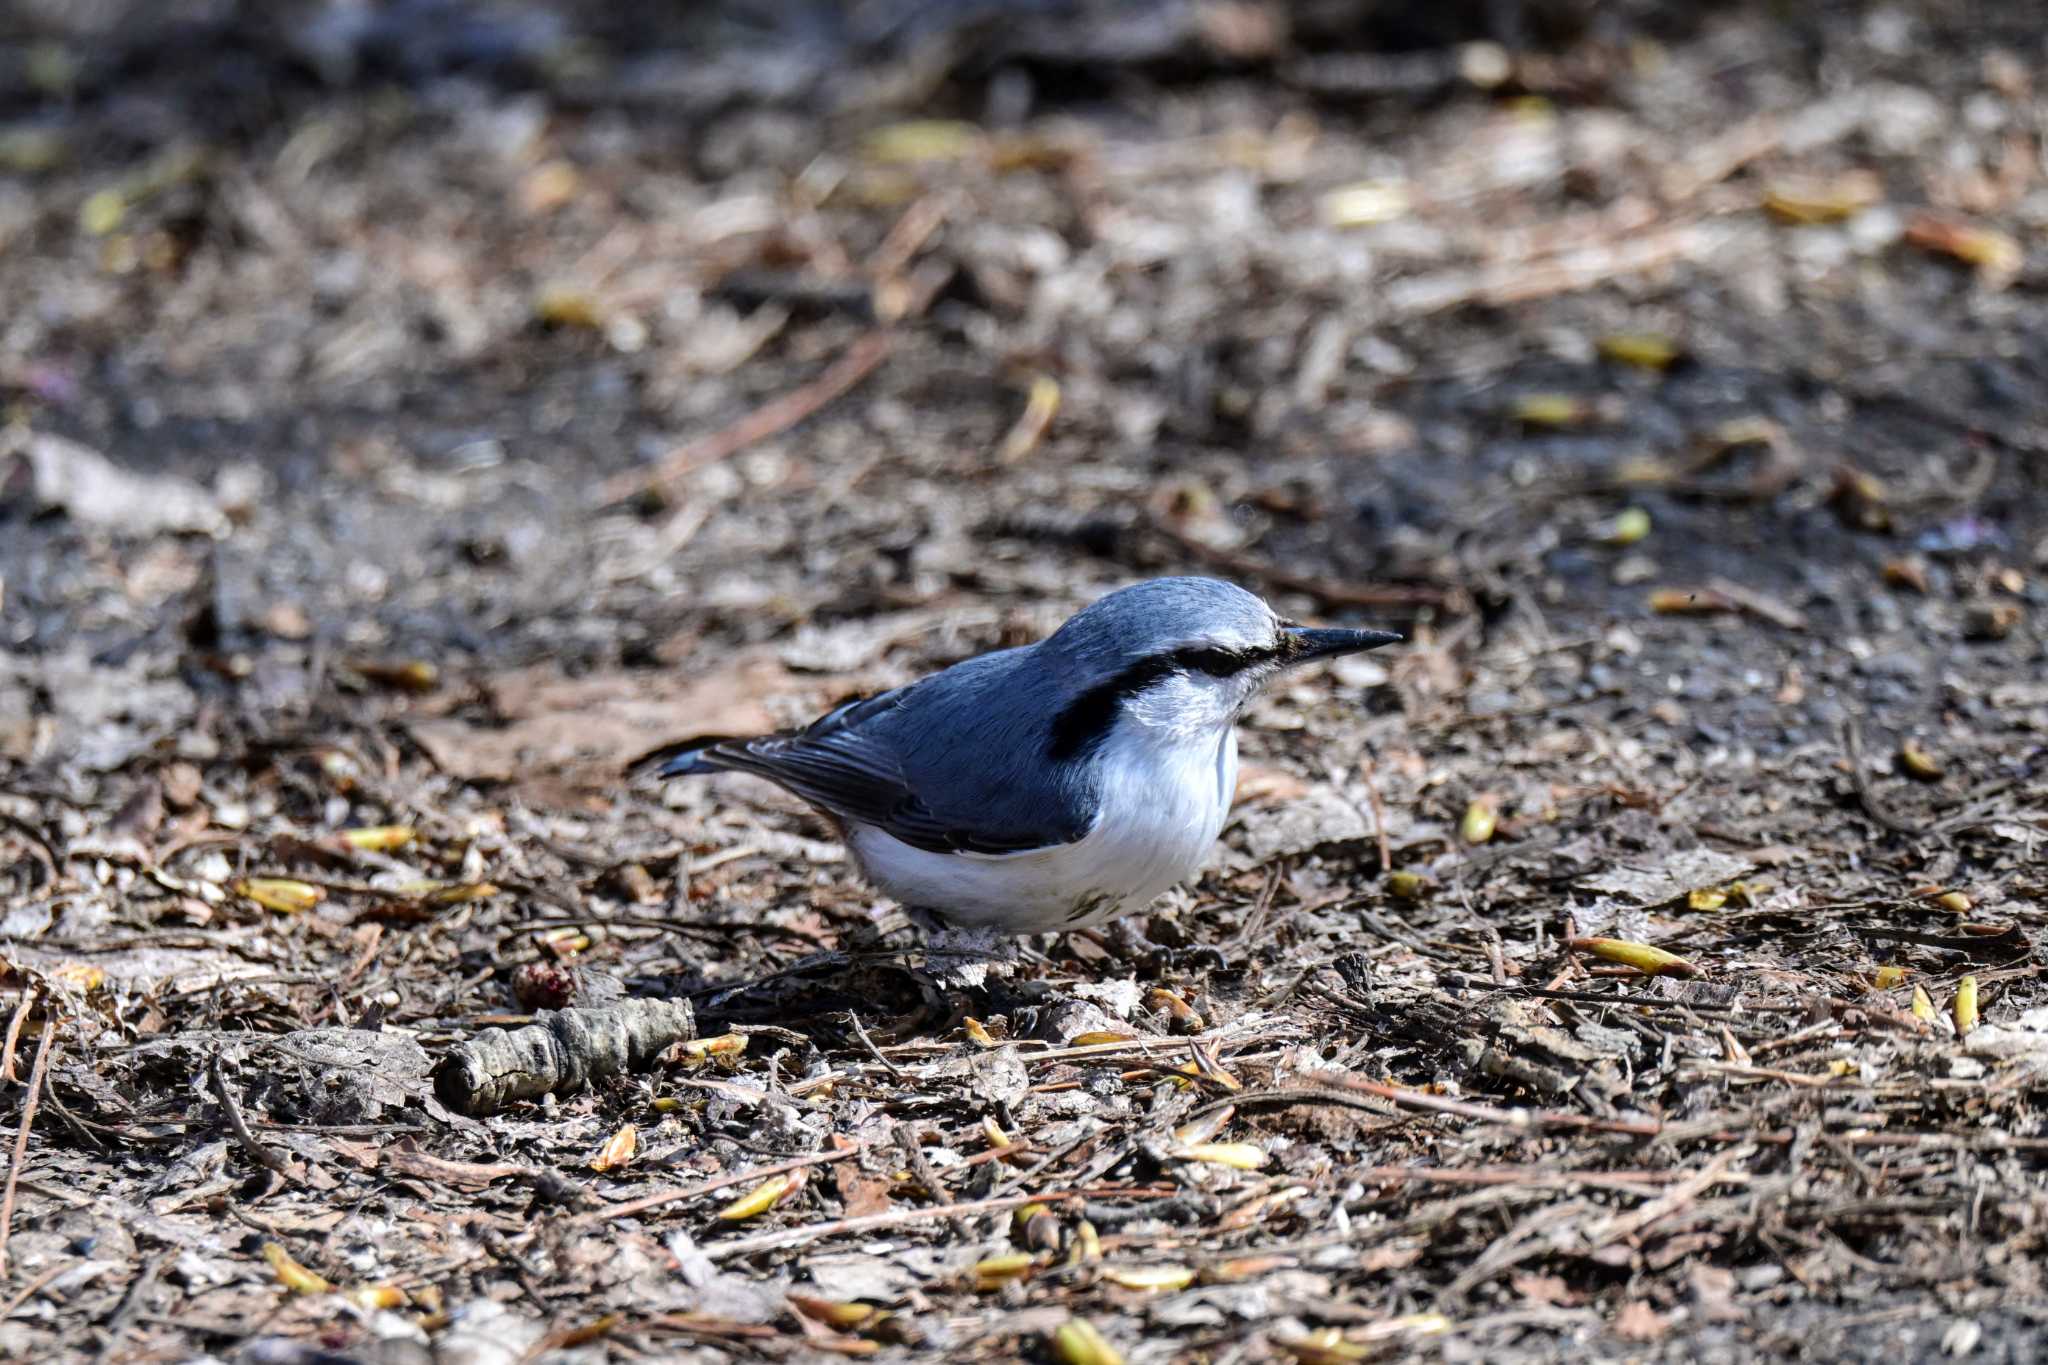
[{"x": 860, "y": 778}]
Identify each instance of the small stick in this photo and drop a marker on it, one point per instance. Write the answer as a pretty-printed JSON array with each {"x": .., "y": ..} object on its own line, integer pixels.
[
  {"x": 28, "y": 1291},
  {"x": 873, "y": 1051},
  {"x": 262, "y": 1155},
  {"x": 913, "y": 1156},
  {"x": 908, "y": 236},
  {"x": 854, "y": 364},
  {"x": 28, "y": 997},
  {"x": 28, "y": 1118},
  {"x": 1852, "y": 744},
  {"x": 1379, "y": 813},
  {"x": 1622, "y": 1226},
  {"x": 1523, "y": 1119}
]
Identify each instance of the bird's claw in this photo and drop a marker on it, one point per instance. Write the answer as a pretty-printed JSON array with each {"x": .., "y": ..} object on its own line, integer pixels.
[
  {"x": 1199, "y": 955},
  {"x": 1152, "y": 957}
]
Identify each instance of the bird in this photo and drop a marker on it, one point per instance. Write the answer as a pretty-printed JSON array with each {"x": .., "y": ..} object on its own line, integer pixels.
[{"x": 1054, "y": 786}]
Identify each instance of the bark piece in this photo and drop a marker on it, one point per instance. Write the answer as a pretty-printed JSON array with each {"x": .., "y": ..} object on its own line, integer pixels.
[{"x": 560, "y": 1053}]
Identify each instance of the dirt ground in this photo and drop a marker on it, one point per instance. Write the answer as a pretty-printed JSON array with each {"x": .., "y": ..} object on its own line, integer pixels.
[{"x": 414, "y": 411}]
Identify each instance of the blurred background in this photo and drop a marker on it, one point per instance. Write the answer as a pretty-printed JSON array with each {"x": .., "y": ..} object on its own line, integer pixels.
[{"x": 449, "y": 320}]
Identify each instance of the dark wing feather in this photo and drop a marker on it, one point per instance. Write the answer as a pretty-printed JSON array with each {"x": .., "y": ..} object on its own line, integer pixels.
[{"x": 845, "y": 764}]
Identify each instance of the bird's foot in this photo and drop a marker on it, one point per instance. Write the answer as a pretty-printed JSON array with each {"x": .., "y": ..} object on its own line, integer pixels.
[{"x": 1135, "y": 947}]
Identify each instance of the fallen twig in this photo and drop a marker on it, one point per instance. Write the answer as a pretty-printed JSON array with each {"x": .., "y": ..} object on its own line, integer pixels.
[
  {"x": 1852, "y": 745},
  {"x": 21, "y": 1009},
  {"x": 560, "y": 1053},
  {"x": 854, "y": 364},
  {"x": 1759, "y": 604},
  {"x": 1626, "y": 1225},
  {"x": 921, "y": 1170},
  {"x": 28, "y": 1291},
  {"x": 264, "y": 1156},
  {"x": 28, "y": 1117},
  {"x": 1368, "y": 771},
  {"x": 2010, "y": 939}
]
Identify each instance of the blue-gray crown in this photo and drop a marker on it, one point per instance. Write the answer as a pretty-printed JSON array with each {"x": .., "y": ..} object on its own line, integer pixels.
[{"x": 1161, "y": 615}]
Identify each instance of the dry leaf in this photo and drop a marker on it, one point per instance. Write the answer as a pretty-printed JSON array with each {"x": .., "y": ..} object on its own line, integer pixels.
[
  {"x": 556, "y": 738},
  {"x": 618, "y": 1150}
]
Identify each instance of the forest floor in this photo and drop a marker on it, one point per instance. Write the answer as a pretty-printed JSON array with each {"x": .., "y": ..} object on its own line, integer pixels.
[{"x": 393, "y": 452}]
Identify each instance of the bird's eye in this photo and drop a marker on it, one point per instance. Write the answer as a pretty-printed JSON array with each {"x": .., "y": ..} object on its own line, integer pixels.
[{"x": 1214, "y": 660}]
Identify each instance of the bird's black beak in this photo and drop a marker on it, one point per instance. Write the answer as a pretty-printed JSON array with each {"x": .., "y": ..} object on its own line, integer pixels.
[{"x": 1305, "y": 643}]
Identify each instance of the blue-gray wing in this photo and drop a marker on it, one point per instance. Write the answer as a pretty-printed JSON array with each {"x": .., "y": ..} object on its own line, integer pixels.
[{"x": 953, "y": 769}]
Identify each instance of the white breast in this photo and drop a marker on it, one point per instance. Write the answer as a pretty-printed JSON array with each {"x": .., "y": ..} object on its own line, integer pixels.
[{"x": 1164, "y": 800}]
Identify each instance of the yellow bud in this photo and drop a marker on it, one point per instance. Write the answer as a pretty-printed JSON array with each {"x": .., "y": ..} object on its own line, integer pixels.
[
  {"x": 922, "y": 140},
  {"x": 1364, "y": 203},
  {"x": 761, "y": 1198},
  {"x": 379, "y": 838},
  {"x": 723, "y": 1045},
  {"x": 1555, "y": 411},
  {"x": 1244, "y": 1156},
  {"x": 375, "y": 1296},
  {"x": 845, "y": 1315},
  {"x": 291, "y": 1274},
  {"x": 1641, "y": 956},
  {"x": 1631, "y": 526},
  {"x": 1077, "y": 1342},
  {"x": 1966, "y": 1004},
  {"x": 567, "y": 305},
  {"x": 1087, "y": 1243},
  {"x": 997, "y": 1271},
  {"x": 277, "y": 893},
  {"x": 1324, "y": 1347},
  {"x": 1478, "y": 825},
  {"x": 1644, "y": 350},
  {"x": 1176, "y": 1009},
  {"x": 1915, "y": 761},
  {"x": 84, "y": 975},
  {"x": 1149, "y": 1279}
]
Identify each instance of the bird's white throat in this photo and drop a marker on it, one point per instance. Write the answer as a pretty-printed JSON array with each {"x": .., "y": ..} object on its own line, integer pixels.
[{"x": 1166, "y": 791}]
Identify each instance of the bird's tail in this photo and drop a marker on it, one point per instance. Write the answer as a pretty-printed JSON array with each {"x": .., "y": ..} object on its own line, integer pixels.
[{"x": 683, "y": 758}]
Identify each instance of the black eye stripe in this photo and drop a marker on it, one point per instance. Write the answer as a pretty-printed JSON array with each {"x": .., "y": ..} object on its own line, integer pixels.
[
  {"x": 1088, "y": 717},
  {"x": 1218, "y": 662}
]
